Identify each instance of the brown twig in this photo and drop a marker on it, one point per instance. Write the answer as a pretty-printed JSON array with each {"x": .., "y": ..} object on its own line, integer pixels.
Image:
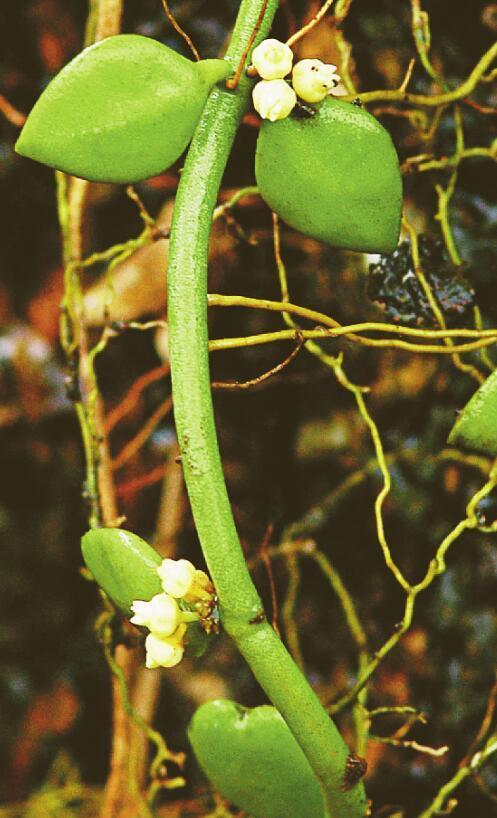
[
  {"x": 483, "y": 786},
  {"x": 485, "y": 726},
  {"x": 172, "y": 508},
  {"x": 142, "y": 436},
  {"x": 180, "y": 31},
  {"x": 232, "y": 385},
  {"x": 117, "y": 780},
  {"x": 132, "y": 487},
  {"x": 233, "y": 81},
  {"x": 10, "y": 113},
  {"x": 310, "y": 25},
  {"x": 482, "y": 109},
  {"x": 133, "y": 396},
  {"x": 266, "y": 559},
  {"x": 146, "y": 690}
]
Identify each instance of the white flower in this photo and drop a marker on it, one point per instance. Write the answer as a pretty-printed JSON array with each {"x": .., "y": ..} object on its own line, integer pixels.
[
  {"x": 272, "y": 59},
  {"x": 313, "y": 80},
  {"x": 177, "y": 576},
  {"x": 273, "y": 99},
  {"x": 163, "y": 652},
  {"x": 161, "y": 614}
]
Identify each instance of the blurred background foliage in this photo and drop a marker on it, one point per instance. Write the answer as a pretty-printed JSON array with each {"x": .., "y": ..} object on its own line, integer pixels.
[{"x": 298, "y": 457}]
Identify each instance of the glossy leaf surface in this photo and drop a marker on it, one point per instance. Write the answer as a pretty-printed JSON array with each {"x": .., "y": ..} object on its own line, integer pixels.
[
  {"x": 123, "y": 110},
  {"x": 476, "y": 426},
  {"x": 253, "y": 760},
  {"x": 122, "y": 564},
  {"x": 334, "y": 176}
]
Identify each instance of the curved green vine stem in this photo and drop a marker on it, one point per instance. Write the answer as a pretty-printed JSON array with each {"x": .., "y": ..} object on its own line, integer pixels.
[
  {"x": 440, "y": 804},
  {"x": 400, "y": 95},
  {"x": 241, "y": 609}
]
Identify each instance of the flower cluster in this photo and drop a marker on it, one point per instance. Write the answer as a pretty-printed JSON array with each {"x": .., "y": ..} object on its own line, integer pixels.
[
  {"x": 163, "y": 616},
  {"x": 311, "y": 80}
]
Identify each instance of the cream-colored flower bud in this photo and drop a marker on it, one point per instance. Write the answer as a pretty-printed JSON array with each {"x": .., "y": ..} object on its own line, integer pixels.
[
  {"x": 161, "y": 614},
  {"x": 273, "y": 99},
  {"x": 176, "y": 576},
  {"x": 162, "y": 652},
  {"x": 272, "y": 59},
  {"x": 313, "y": 80}
]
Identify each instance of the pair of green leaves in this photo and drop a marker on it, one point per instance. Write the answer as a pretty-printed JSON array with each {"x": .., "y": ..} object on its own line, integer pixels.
[
  {"x": 126, "y": 108},
  {"x": 121, "y": 111}
]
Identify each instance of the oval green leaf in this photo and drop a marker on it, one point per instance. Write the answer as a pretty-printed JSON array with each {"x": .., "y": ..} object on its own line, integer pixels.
[
  {"x": 122, "y": 564},
  {"x": 476, "y": 426},
  {"x": 334, "y": 176},
  {"x": 252, "y": 759},
  {"x": 121, "y": 111}
]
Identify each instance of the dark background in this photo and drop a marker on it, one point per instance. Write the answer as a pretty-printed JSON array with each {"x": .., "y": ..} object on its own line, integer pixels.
[{"x": 285, "y": 446}]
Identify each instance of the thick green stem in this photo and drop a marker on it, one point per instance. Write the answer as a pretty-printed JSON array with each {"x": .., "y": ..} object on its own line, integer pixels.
[{"x": 241, "y": 608}]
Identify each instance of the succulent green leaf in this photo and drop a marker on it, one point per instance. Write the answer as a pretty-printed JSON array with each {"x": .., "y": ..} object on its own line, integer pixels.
[
  {"x": 252, "y": 759},
  {"x": 476, "y": 426},
  {"x": 334, "y": 176},
  {"x": 122, "y": 564},
  {"x": 123, "y": 110}
]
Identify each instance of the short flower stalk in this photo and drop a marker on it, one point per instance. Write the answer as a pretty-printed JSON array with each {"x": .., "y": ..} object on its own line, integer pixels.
[{"x": 188, "y": 596}]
